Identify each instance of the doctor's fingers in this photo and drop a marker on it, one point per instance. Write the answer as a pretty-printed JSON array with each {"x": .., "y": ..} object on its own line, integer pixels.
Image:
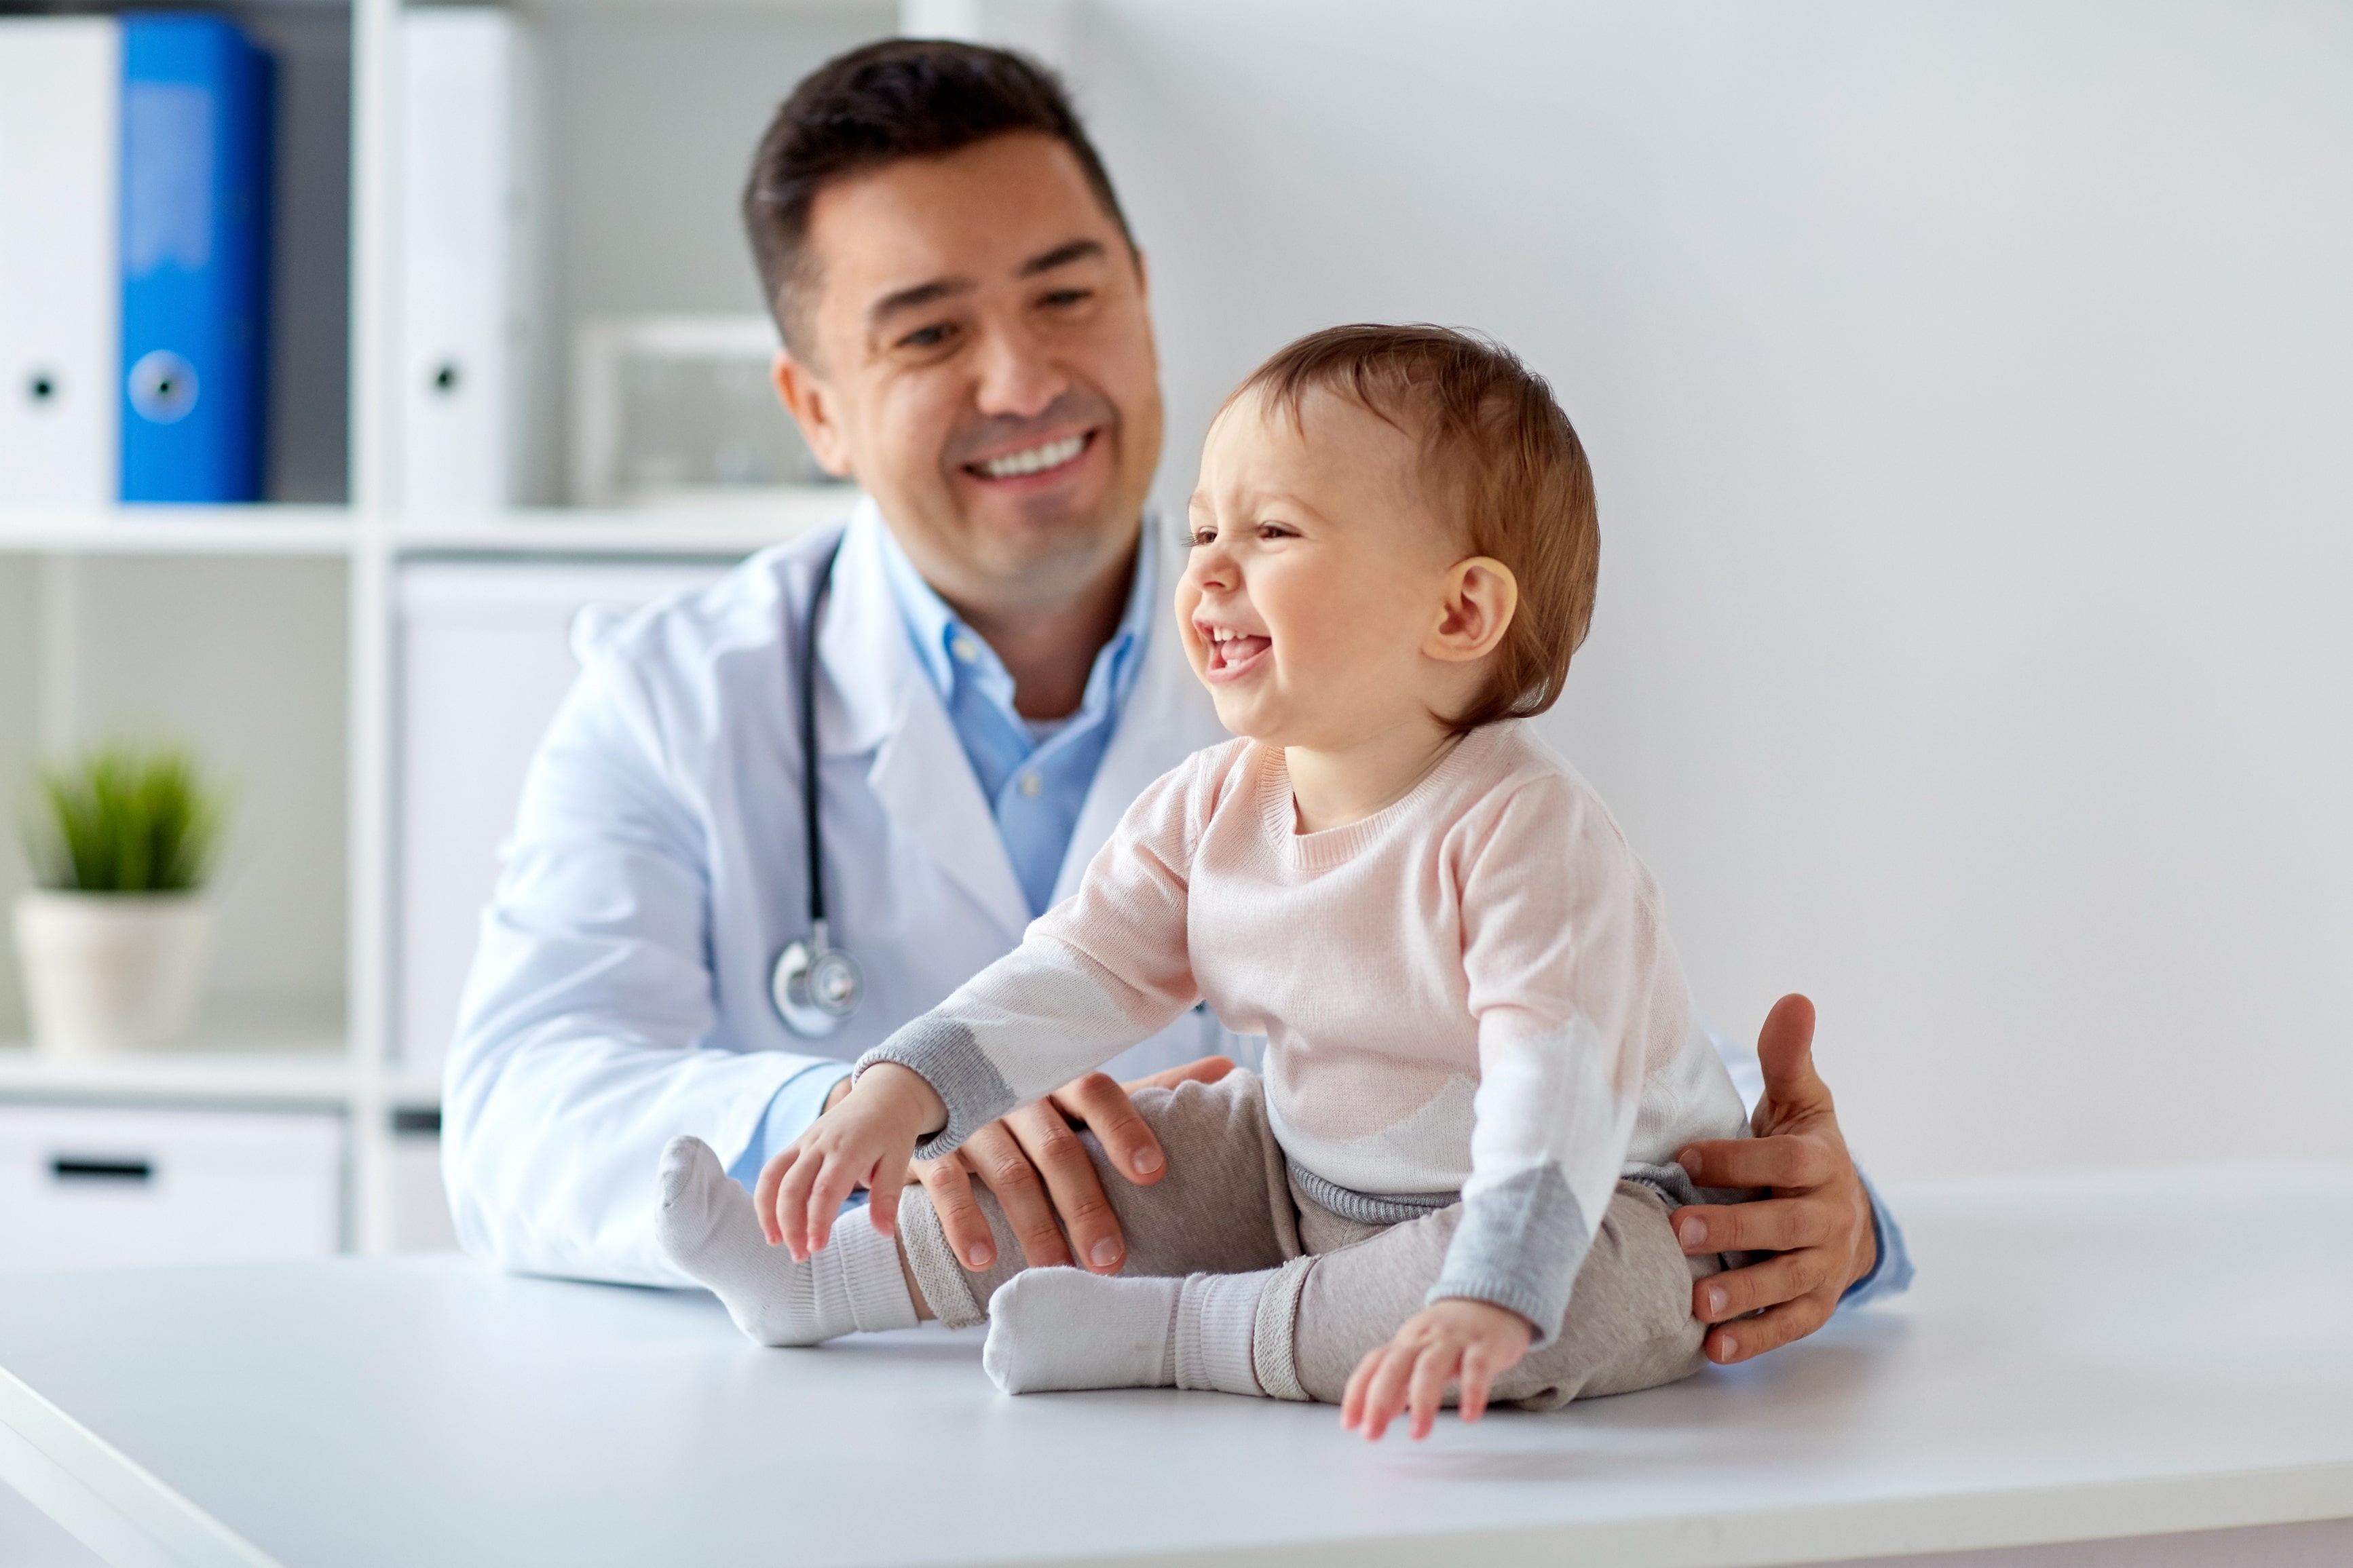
[
  {"x": 1101, "y": 1104},
  {"x": 1747, "y": 1338},
  {"x": 1784, "y": 1277},
  {"x": 998, "y": 1159},
  {"x": 948, "y": 1180},
  {"x": 1785, "y": 1161},
  {"x": 1073, "y": 1184},
  {"x": 1769, "y": 1224}
]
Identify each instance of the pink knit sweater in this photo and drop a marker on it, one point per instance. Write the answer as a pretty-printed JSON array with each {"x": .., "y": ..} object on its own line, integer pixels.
[{"x": 1469, "y": 990}]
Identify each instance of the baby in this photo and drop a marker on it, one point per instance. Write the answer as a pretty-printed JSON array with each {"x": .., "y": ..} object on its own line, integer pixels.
[{"x": 1481, "y": 1056}]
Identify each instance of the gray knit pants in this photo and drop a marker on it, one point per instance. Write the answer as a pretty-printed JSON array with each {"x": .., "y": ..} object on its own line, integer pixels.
[{"x": 1230, "y": 1204}]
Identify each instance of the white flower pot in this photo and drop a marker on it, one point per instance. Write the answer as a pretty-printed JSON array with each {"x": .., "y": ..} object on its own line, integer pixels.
[{"x": 111, "y": 972}]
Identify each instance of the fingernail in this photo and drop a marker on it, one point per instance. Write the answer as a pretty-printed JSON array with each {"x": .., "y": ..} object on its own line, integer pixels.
[
  {"x": 1731, "y": 1348},
  {"x": 1146, "y": 1161},
  {"x": 978, "y": 1256},
  {"x": 1105, "y": 1253},
  {"x": 1690, "y": 1163},
  {"x": 1716, "y": 1301},
  {"x": 1694, "y": 1231}
]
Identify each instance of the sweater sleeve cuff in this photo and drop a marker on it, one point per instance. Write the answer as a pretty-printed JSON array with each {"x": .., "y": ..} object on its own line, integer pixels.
[
  {"x": 944, "y": 1054},
  {"x": 1519, "y": 1246}
]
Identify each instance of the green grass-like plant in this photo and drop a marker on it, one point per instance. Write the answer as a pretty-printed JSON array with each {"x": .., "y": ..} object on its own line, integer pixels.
[{"x": 126, "y": 819}]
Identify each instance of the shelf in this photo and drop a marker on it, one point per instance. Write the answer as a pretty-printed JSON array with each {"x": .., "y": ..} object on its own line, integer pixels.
[
  {"x": 733, "y": 530},
  {"x": 321, "y": 1076},
  {"x": 180, "y": 530}
]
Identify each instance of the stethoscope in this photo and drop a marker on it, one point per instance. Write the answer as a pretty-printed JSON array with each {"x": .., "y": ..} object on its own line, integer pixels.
[{"x": 817, "y": 986}]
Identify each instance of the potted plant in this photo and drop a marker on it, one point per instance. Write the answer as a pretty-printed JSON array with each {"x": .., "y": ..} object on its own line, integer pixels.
[{"x": 113, "y": 938}]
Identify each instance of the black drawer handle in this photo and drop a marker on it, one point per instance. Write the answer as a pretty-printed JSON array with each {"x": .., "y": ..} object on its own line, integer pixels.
[{"x": 79, "y": 1168}]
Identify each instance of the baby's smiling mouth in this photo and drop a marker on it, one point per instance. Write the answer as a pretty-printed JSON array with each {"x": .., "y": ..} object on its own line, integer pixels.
[{"x": 1232, "y": 651}]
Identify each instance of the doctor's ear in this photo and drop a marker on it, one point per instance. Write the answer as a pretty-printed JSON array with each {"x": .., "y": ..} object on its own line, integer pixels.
[
  {"x": 1476, "y": 610},
  {"x": 805, "y": 398}
]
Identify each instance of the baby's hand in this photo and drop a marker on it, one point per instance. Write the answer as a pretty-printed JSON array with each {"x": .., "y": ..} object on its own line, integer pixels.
[
  {"x": 1454, "y": 1341},
  {"x": 864, "y": 1140}
]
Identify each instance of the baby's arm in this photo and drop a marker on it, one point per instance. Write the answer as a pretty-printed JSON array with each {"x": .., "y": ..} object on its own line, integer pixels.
[{"x": 1094, "y": 975}]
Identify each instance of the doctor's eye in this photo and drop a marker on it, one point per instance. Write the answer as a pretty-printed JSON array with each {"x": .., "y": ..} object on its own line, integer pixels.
[
  {"x": 1061, "y": 299},
  {"x": 929, "y": 337}
]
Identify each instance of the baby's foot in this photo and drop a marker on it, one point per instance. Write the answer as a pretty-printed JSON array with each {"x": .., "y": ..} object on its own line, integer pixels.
[
  {"x": 1055, "y": 1329},
  {"x": 708, "y": 1229}
]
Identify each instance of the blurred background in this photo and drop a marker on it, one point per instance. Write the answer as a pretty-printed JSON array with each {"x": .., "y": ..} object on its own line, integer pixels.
[
  {"x": 1967, "y": 383},
  {"x": 1967, "y": 386}
]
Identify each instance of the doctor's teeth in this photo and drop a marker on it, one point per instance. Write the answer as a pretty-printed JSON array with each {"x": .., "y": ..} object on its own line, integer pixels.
[{"x": 1035, "y": 459}]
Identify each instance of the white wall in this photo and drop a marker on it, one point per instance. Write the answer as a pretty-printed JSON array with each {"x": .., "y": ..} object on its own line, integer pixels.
[{"x": 1968, "y": 389}]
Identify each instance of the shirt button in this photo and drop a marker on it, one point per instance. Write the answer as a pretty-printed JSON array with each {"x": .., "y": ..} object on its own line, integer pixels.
[
  {"x": 963, "y": 648},
  {"x": 1029, "y": 785}
]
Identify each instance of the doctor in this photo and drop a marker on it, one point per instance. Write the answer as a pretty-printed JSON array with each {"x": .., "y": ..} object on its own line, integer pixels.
[{"x": 965, "y": 316}]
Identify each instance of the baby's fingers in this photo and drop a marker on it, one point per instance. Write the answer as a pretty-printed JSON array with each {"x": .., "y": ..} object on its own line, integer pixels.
[
  {"x": 793, "y": 1203},
  {"x": 1478, "y": 1372},
  {"x": 1387, "y": 1395},
  {"x": 763, "y": 1196},
  {"x": 1360, "y": 1386},
  {"x": 1432, "y": 1371},
  {"x": 832, "y": 1188},
  {"x": 883, "y": 1187}
]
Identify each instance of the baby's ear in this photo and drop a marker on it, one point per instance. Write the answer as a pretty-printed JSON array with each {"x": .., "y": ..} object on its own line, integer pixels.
[{"x": 1481, "y": 598}]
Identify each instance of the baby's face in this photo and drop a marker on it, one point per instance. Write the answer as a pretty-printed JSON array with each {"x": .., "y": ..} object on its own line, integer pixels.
[{"x": 1317, "y": 577}]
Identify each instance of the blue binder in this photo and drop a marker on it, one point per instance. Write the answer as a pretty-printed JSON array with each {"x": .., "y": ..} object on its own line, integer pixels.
[{"x": 195, "y": 259}]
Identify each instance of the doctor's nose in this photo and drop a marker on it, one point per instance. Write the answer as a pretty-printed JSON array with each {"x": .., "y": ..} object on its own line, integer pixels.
[{"x": 1016, "y": 377}]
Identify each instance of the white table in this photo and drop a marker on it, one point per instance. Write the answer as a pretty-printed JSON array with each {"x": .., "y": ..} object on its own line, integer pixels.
[{"x": 2084, "y": 1356}]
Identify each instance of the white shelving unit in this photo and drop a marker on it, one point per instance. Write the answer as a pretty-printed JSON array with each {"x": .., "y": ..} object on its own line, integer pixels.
[{"x": 655, "y": 233}]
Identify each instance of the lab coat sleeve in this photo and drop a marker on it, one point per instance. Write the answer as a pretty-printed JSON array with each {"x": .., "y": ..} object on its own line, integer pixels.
[
  {"x": 580, "y": 1049},
  {"x": 1891, "y": 1272}
]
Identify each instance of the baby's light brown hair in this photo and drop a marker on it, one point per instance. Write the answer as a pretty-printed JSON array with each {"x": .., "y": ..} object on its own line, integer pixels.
[{"x": 1498, "y": 457}]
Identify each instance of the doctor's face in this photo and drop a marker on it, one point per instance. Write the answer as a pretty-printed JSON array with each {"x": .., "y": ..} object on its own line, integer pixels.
[{"x": 980, "y": 360}]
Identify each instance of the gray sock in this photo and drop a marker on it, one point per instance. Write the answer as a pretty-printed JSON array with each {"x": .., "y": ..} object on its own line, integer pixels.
[
  {"x": 708, "y": 1229},
  {"x": 1059, "y": 1329}
]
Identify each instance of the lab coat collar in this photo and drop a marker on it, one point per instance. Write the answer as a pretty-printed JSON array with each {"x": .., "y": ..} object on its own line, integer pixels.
[{"x": 887, "y": 706}]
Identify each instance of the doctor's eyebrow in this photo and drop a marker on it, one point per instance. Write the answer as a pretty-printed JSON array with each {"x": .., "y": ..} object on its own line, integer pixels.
[
  {"x": 1062, "y": 256},
  {"x": 900, "y": 301}
]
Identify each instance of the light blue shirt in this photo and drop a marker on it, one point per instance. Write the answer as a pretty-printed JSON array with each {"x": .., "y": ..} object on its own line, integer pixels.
[{"x": 1035, "y": 775}]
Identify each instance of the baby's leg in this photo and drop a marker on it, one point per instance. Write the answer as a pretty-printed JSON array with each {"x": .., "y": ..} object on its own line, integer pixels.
[
  {"x": 708, "y": 1229},
  {"x": 1223, "y": 1206},
  {"x": 1629, "y": 1323}
]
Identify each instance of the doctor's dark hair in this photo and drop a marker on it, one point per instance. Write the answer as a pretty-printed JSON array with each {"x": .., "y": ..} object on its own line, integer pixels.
[
  {"x": 1498, "y": 458},
  {"x": 902, "y": 98}
]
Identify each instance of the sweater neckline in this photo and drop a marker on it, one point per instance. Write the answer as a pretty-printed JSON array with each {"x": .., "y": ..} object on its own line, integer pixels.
[{"x": 1335, "y": 846}]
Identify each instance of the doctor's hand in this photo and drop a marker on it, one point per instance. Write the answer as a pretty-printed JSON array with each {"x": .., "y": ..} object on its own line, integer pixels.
[
  {"x": 1818, "y": 1223},
  {"x": 863, "y": 1140},
  {"x": 1034, "y": 1163}
]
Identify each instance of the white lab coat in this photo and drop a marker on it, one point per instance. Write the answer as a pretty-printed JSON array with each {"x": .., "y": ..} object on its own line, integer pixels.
[{"x": 620, "y": 995}]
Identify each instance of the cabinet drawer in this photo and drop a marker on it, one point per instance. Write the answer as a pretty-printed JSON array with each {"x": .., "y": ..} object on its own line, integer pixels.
[{"x": 85, "y": 1186}]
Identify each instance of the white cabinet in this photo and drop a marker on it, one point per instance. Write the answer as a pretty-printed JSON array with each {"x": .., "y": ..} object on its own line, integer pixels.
[
  {"x": 89, "y": 1186},
  {"x": 485, "y": 658}
]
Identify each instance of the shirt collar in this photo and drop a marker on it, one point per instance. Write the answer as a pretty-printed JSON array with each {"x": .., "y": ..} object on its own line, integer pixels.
[{"x": 943, "y": 641}]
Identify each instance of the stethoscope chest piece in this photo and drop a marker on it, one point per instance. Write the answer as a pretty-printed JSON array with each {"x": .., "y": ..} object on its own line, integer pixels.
[
  {"x": 816, "y": 987},
  {"x": 815, "y": 984}
]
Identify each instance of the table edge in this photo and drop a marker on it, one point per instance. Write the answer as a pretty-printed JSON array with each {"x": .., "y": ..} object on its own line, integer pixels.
[{"x": 103, "y": 1497}]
